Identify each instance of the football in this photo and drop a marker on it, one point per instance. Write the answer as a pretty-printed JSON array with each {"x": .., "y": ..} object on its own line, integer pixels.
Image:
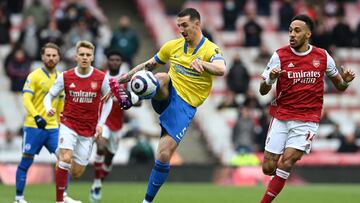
[{"x": 144, "y": 84}]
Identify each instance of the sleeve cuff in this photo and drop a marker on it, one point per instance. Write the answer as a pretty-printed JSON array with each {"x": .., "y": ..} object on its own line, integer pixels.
[
  {"x": 29, "y": 91},
  {"x": 158, "y": 60}
]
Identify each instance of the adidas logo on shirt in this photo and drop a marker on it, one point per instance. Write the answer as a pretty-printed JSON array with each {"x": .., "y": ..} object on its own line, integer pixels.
[
  {"x": 291, "y": 65},
  {"x": 72, "y": 85}
]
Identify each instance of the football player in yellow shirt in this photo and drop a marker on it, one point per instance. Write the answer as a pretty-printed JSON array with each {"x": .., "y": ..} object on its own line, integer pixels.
[
  {"x": 39, "y": 129},
  {"x": 194, "y": 61}
]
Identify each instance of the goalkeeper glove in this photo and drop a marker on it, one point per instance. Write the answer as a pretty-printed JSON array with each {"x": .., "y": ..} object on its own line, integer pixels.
[{"x": 40, "y": 122}]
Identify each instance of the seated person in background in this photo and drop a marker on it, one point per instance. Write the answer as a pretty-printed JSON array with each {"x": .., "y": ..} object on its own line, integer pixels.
[
  {"x": 141, "y": 152},
  {"x": 337, "y": 134},
  {"x": 325, "y": 119},
  {"x": 357, "y": 131},
  {"x": 348, "y": 144}
]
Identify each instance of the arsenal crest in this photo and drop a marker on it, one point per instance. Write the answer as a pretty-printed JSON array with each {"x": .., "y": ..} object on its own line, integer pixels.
[
  {"x": 316, "y": 62},
  {"x": 93, "y": 85}
]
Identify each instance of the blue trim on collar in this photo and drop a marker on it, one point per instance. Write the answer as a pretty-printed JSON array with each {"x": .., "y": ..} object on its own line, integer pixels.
[
  {"x": 46, "y": 72},
  {"x": 185, "y": 47},
  {"x": 29, "y": 91},
  {"x": 197, "y": 46}
]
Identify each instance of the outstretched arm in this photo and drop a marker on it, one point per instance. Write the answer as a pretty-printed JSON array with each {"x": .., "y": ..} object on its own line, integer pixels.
[{"x": 149, "y": 65}]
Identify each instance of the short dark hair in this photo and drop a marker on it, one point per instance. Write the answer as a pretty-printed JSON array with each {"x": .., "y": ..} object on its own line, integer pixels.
[
  {"x": 50, "y": 45},
  {"x": 306, "y": 19},
  {"x": 113, "y": 52},
  {"x": 192, "y": 12}
]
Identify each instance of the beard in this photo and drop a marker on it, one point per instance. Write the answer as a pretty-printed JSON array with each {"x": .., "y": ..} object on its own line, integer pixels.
[{"x": 50, "y": 64}]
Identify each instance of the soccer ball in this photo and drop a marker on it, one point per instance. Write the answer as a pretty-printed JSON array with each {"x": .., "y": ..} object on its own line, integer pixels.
[{"x": 144, "y": 84}]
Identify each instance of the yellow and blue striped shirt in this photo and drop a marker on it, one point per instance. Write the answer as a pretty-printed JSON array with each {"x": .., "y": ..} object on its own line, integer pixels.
[
  {"x": 190, "y": 85},
  {"x": 35, "y": 88}
]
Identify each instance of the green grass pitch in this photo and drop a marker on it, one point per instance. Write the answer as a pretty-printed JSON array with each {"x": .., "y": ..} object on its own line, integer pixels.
[{"x": 191, "y": 193}]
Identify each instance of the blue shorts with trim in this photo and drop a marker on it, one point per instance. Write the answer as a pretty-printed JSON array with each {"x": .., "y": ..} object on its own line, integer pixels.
[
  {"x": 175, "y": 114},
  {"x": 34, "y": 139}
]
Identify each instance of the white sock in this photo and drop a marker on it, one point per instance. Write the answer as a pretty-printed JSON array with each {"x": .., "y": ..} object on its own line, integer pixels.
[
  {"x": 144, "y": 201},
  {"x": 97, "y": 183},
  {"x": 99, "y": 158},
  {"x": 17, "y": 198}
]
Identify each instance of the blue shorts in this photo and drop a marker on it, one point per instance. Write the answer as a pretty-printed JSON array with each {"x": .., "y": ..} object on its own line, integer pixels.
[
  {"x": 175, "y": 114},
  {"x": 34, "y": 139}
]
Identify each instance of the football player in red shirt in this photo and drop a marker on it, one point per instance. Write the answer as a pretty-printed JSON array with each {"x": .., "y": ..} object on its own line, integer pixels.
[
  {"x": 298, "y": 70},
  {"x": 112, "y": 132},
  {"x": 80, "y": 123}
]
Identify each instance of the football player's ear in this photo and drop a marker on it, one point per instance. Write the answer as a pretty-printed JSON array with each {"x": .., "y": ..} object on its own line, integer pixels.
[
  {"x": 308, "y": 34},
  {"x": 197, "y": 23}
]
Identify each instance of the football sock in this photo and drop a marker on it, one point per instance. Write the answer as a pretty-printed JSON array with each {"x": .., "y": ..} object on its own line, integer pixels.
[
  {"x": 67, "y": 184},
  {"x": 62, "y": 172},
  {"x": 99, "y": 161},
  {"x": 157, "y": 177},
  {"x": 21, "y": 172},
  {"x": 275, "y": 186},
  {"x": 106, "y": 170}
]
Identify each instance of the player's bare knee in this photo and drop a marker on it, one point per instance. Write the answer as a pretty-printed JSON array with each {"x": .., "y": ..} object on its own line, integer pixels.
[
  {"x": 163, "y": 78},
  {"x": 164, "y": 156},
  {"x": 287, "y": 163},
  {"x": 101, "y": 150},
  {"x": 77, "y": 172},
  {"x": 66, "y": 159},
  {"x": 268, "y": 169}
]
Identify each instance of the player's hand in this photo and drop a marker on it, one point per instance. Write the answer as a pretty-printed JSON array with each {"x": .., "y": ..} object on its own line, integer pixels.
[
  {"x": 347, "y": 74},
  {"x": 114, "y": 86},
  {"x": 40, "y": 122},
  {"x": 275, "y": 73},
  {"x": 98, "y": 132},
  {"x": 196, "y": 64},
  {"x": 51, "y": 112}
]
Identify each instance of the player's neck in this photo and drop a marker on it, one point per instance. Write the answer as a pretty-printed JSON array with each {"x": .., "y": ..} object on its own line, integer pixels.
[
  {"x": 114, "y": 72},
  {"x": 50, "y": 69},
  {"x": 303, "y": 48},
  {"x": 83, "y": 70},
  {"x": 196, "y": 41}
]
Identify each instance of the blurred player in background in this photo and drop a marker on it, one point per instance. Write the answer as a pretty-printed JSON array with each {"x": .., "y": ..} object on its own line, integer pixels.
[
  {"x": 299, "y": 70},
  {"x": 108, "y": 144},
  {"x": 194, "y": 61},
  {"x": 80, "y": 122},
  {"x": 39, "y": 129}
]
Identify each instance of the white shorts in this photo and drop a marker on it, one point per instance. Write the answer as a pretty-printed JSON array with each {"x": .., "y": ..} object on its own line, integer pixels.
[
  {"x": 80, "y": 145},
  {"x": 290, "y": 134},
  {"x": 113, "y": 138}
]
